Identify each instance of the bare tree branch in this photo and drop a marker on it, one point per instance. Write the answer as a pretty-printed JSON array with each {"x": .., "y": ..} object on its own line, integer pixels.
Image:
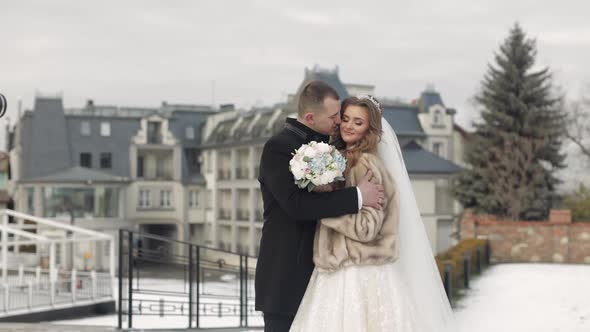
[{"x": 579, "y": 123}]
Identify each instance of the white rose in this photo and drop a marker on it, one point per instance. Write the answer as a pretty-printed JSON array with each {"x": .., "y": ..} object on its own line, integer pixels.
[
  {"x": 317, "y": 181},
  {"x": 320, "y": 180},
  {"x": 297, "y": 171},
  {"x": 331, "y": 176},
  {"x": 323, "y": 147},
  {"x": 310, "y": 152}
]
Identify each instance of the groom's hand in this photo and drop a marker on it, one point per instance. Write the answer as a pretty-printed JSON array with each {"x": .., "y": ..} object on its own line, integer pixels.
[
  {"x": 372, "y": 194},
  {"x": 324, "y": 188}
]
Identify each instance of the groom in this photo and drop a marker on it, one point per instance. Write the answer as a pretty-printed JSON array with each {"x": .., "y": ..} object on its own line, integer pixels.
[{"x": 285, "y": 262}]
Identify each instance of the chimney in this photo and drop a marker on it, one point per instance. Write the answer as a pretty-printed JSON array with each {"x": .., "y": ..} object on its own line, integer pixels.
[{"x": 226, "y": 107}]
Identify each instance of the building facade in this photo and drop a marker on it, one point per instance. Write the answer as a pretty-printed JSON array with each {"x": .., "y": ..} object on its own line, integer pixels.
[
  {"x": 106, "y": 167},
  {"x": 425, "y": 129},
  {"x": 190, "y": 172}
]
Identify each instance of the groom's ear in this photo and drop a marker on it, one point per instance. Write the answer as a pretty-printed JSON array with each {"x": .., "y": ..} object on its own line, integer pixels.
[{"x": 309, "y": 118}]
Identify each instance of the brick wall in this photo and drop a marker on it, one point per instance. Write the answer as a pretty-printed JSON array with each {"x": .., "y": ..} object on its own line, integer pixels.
[{"x": 557, "y": 240}]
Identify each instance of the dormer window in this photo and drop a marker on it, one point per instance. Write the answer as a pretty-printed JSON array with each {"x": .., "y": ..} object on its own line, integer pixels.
[
  {"x": 437, "y": 149},
  {"x": 154, "y": 132},
  {"x": 85, "y": 128},
  {"x": 189, "y": 132},
  {"x": 105, "y": 129},
  {"x": 437, "y": 118}
]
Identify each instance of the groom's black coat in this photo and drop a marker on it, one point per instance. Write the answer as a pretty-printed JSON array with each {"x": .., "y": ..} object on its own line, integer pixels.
[{"x": 285, "y": 261}]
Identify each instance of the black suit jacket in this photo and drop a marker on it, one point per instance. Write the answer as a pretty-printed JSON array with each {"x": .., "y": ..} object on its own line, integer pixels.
[{"x": 285, "y": 261}]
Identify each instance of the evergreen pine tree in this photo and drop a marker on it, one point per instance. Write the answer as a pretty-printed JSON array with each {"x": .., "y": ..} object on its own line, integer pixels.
[{"x": 515, "y": 149}]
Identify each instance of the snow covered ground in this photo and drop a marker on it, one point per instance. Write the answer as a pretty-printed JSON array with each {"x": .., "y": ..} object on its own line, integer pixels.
[
  {"x": 527, "y": 297},
  {"x": 216, "y": 291},
  {"x": 506, "y": 298}
]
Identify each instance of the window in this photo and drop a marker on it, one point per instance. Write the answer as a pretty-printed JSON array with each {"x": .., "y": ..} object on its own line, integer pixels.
[
  {"x": 189, "y": 132},
  {"x": 443, "y": 198},
  {"x": 144, "y": 198},
  {"x": 139, "y": 166},
  {"x": 160, "y": 163},
  {"x": 192, "y": 159},
  {"x": 436, "y": 119},
  {"x": 106, "y": 160},
  {"x": 105, "y": 129},
  {"x": 108, "y": 202},
  {"x": 86, "y": 159},
  {"x": 85, "y": 128},
  {"x": 154, "y": 133},
  {"x": 193, "y": 198},
  {"x": 30, "y": 200},
  {"x": 165, "y": 198},
  {"x": 437, "y": 148},
  {"x": 97, "y": 202}
]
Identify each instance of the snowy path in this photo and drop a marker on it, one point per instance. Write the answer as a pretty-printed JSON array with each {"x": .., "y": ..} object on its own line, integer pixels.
[{"x": 528, "y": 297}]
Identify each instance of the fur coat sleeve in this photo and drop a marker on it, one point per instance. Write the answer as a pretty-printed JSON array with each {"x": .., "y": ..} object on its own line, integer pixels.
[
  {"x": 365, "y": 225},
  {"x": 366, "y": 237}
]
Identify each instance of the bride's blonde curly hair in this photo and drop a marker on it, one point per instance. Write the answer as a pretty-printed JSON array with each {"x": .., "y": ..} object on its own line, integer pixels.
[{"x": 369, "y": 142}]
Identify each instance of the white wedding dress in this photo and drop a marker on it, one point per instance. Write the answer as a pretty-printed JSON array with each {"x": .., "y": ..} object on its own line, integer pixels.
[
  {"x": 357, "y": 299},
  {"x": 404, "y": 296}
]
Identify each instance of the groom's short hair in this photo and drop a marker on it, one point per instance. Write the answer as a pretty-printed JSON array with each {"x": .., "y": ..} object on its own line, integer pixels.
[{"x": 312, "y": 97}]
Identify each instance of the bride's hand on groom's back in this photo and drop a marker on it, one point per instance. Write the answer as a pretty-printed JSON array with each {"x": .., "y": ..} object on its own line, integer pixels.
[{"x": 372, "y": 193}]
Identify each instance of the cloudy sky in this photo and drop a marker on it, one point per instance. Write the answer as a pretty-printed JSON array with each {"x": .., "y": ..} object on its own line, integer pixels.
[{"x": 139, "y": 53}]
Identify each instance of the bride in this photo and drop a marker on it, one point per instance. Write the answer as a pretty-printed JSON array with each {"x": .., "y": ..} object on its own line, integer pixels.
[{"x": 374, "y": 270}]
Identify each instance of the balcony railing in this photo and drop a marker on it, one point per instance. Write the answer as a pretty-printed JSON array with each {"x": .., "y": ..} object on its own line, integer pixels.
[{"x": 157, "y": 177}]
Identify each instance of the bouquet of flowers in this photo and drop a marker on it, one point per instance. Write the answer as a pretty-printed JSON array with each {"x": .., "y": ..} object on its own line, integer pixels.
[{"x": 317, "y": 164}]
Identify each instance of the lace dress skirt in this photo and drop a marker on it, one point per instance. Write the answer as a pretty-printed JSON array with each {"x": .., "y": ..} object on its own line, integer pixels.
[{"x": 364, "y": 298}]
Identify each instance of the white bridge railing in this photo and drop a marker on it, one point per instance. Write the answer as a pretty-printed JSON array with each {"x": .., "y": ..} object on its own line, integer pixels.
[{"x": 54, "y": 250}]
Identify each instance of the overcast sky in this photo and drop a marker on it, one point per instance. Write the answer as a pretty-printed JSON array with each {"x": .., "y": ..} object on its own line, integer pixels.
[{"x": 139, "y": 53}]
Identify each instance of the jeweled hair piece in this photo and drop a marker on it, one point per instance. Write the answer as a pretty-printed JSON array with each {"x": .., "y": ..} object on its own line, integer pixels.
[{"x": 372, "y": 100}]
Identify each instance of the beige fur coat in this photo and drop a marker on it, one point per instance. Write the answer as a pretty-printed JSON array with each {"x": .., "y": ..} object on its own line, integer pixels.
[{"x": 367, "y": 237}]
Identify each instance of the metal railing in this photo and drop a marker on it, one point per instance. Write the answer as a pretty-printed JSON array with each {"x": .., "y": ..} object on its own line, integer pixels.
[
  {"x": 163, "y": 277},
  {"x": 468, "y": 266}
]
